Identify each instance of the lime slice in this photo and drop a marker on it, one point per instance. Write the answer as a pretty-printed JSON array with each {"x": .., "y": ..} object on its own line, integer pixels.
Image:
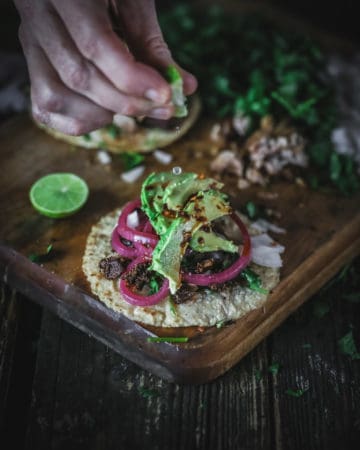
[{"x": 59, "y": 195}]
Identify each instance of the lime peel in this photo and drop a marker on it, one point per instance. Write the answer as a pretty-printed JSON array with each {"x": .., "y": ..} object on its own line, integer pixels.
[{"x": 58, "y": 195}]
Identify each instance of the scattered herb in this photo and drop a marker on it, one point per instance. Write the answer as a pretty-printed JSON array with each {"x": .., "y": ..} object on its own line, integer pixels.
[
  {"x": 168, "y": 339},
  {"x": 113, "y": 131},
  {"x": 295, "y": 392},
  {"x": 148, "y": 393},
  {"x": 251, "y": 210},
  {"x": 347, "y": 346},
  {"x": 258, "y": 375},
  {"x": 172, "y": 306},
  {"x": 131, "y": 159},
  {"x": 87, "y": 137},
  {"x": 306, "y": 346},
  {"x": 253, "y": 281},
  {"x": 320, "y": 308},
  {"x": 37, "y": 258},
  {"x": 274, "y": 368},
  {"x": 154, "y": 286},
  {"x": 221, "y": 324}
]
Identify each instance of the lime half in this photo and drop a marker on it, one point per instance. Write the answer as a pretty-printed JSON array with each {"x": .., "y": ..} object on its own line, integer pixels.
[{"x": 59, "y": 195}]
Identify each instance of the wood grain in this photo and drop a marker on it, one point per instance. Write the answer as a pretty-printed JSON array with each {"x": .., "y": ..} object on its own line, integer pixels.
[{"x": 322, "y": 235}]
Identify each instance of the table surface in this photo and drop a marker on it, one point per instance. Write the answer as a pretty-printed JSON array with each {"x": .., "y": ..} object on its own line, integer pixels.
[{"x": 61, "y": 389}]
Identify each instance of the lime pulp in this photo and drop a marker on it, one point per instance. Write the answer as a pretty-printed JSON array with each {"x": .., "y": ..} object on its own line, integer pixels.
[{"x": 59, "y": 195}]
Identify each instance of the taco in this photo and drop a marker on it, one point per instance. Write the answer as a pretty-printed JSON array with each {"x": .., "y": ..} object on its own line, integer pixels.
[{"x": 180, "y": 256}]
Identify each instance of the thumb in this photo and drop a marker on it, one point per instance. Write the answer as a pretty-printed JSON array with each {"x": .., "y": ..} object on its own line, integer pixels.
[{"x": 143, "y": 35}]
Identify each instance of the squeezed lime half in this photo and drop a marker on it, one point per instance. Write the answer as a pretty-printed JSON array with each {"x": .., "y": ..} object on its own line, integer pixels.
[{"x": 59, "y": 195}]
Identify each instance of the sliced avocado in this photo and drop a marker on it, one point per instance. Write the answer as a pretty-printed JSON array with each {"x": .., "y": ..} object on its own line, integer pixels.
[
  {"x": 168, "y": 253},
  {"x": 203, "y": 241},
  {"x": 178, "y": 193}
]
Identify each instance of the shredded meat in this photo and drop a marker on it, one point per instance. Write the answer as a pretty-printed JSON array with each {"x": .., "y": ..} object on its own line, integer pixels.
[
  {"x": 139, "y": 276},
  {"x": 186, "y": 293},
  {"x": 113, "y": 266}
]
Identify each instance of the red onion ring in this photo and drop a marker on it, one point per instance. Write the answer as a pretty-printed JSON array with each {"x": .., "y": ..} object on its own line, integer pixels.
[
  {"x": 230, "y": 272},
  {"x": 121, "y": 248},
  {"x": 130, "y": 233},
  {"x": 142, "y": 300}
]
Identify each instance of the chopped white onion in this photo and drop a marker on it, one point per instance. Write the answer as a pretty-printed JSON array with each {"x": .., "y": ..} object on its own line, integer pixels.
[
  {"x": 132, "y": 220},
  {"x": 163, "y": 157},
  {"x": 266, "y": 256},
  {"x": 103, "y": 157},
  {"x": 263, "y": 226},
  {"x": 132, "y": 175}
]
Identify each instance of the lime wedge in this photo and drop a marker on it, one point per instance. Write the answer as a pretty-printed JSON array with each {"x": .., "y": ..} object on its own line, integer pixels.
[{"x": 59, "y": 195}]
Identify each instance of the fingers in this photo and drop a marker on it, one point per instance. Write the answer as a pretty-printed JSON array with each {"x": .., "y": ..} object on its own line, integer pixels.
[
  {"x": 98, "y": 43},
  {"x": 55, "y": 105},
  {"x": 143, "y": 34},
  {"x": 81, "y": 75}
]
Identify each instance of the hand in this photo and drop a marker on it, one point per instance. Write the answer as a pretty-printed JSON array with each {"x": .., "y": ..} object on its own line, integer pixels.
[{"x": 82, "y": 73}]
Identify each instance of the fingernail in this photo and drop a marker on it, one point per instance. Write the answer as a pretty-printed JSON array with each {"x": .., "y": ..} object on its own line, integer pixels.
[
  {"x": 155, "y": 96},
  {"x": 160, "y": 113}
]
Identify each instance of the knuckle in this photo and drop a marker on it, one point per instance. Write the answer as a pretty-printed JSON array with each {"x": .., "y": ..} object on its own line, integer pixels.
[
  {"x": 76, "y": 127},
  {"x": 77, "y": 77},
  {"x": 91, "y": 43},
  {"x": 48, "y": 100},
  {"x": 158, "y": 46},
  {"x": 128, "y": 109}
]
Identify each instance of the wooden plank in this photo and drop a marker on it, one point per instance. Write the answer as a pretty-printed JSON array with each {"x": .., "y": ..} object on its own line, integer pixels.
[
  {"x": 322, "y": 228},
  {"x": 89, "y": 397},
  {"x": 327, "y": 414}
]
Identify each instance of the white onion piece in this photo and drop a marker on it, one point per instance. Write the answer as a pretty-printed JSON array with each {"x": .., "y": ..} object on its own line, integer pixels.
[
  {"x": 263, "y": 226},
  {"x": 132, "y": 175},
  {"x": 265, "y": 240},
  {"x": 163, "y": 157},
  {"x": 266, "y": 256},
  {"x": 132, "y": 220},
  {"x": 103, "y": 157}
]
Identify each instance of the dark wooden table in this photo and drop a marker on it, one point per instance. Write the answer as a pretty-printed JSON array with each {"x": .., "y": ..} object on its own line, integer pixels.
[{"x": 60, "y": 389}]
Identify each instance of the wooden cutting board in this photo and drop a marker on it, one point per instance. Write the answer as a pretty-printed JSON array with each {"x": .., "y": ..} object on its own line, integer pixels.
[{"x": 323, "y": 233}]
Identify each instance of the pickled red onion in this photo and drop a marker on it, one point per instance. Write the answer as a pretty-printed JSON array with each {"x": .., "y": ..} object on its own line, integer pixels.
[
  {"x": 138, "y": 299},
  {"x": 230, "y": 272},
  {"x": 132, "y": 234},
  {"x": 123, "y": 250}
]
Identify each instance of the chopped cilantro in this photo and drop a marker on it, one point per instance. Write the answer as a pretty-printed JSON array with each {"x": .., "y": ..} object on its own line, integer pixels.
[
  {"x": 37, "y": 258},
  {"x": 251, "y": 210},
  {"x": 258, "y": 375},
  {"x": 295, "y": 392},
  {"x": 306, "y": 346},
  {"x": 221, "y": 323},
  {"x": 168, "y": 339},
  {"x": 172, "y": 306},
  {"x": 281, "y": 73},
  {"x": 87, "y": 137},
  {"x": 131, "y": 159},
  {"x": 154, "y": 286},
  {"x": 113, "y": 131},
  {"x": 253, "y": 281},
  {"x": 148, "y": 393},
  {"x": 274, "y": 368},
  {"x": 347, "y": 346},
  {"x": 320, "y": 308}
]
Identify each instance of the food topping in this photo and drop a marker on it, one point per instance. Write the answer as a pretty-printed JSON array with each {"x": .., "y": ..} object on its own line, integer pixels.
[{"x": 113, "y": 266}]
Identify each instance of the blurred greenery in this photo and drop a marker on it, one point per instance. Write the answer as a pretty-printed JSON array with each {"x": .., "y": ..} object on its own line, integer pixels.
[{"x": 245, "y": 65}]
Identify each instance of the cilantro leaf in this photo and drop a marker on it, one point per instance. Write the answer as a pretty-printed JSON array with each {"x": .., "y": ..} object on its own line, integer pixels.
[
  {"x": 147, "y": 392},
  {"x": 295, "y": 392},
  {"x": 131, "y": 159},
  {"x": 274, "y": 368},
  {"x": 253, "y": 281},
  {"x": 347, "y": 346},
  {"x": 42, "y": 257}
]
